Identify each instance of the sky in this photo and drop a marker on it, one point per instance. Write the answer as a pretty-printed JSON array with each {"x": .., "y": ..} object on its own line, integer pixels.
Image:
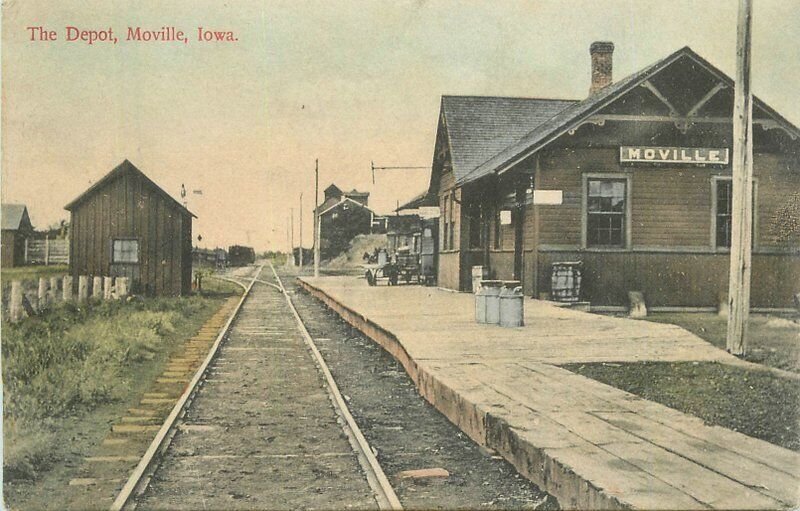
[{"x": 344, "y": 82}]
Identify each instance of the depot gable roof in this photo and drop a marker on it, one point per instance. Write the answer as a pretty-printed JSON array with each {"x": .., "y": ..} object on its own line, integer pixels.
[
  {"x": 576, "y": 112},
  {"x": 479, "y": 127}
]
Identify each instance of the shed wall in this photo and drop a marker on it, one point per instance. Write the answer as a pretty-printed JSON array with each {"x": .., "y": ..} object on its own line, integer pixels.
[{"x": 129, "y": 208}]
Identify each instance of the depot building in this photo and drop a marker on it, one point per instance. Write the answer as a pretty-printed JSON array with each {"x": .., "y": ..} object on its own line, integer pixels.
[{"x": 632, "y": 182}]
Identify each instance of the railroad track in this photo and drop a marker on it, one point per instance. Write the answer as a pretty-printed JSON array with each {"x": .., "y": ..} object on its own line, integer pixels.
[{"x": 257, "y": 410}]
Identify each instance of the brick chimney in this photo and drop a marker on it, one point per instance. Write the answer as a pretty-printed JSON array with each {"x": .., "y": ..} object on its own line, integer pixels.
[{"x": 602, "y": 58}]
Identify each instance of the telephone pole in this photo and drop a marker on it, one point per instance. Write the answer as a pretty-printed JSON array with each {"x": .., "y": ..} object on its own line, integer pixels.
[
  {"x": 317, "y": 222},
  {"x": 742, "y": 184},
  {"x": 291, "y": 229},
  {"x": 301, "y": 230}
]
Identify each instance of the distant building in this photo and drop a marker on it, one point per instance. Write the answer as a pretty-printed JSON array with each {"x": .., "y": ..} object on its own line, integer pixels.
[
  {"x": 126, "y": 226},
  {"x": 343, "y": 216},
  {"x": 16, "y": 229}
]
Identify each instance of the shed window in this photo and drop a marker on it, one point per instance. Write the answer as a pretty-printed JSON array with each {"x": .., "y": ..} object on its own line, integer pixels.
[
  {"x": 606, "y": 211},
  {"x": 125, "y": 251}
]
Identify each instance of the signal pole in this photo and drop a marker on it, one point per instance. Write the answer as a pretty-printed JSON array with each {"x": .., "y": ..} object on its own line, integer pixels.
[
  {"x": 317, "y": 221},
  {"x": 301, "y": 230},
  {"x": 291, "y": 229},
  {"x": 742, "y": 193}
]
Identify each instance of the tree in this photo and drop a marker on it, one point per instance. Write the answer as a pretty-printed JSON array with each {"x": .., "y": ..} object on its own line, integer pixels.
[{"x": 786, "y": 221}]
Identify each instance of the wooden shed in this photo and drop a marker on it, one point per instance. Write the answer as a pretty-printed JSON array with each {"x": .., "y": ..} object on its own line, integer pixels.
[
  {"x": 126, "y": 226},
  {"x": 16, "y": 228}
]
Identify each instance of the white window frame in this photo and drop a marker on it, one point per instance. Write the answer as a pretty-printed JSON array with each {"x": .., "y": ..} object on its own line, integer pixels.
[
  {"x": 138, "y": 250},
  {"x": 585, "y": 178}
]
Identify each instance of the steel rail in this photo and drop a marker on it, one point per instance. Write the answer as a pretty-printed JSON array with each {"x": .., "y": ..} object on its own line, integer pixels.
[
  {"x": 138, "y": 480},
  {"x": 384, "y": 493}
]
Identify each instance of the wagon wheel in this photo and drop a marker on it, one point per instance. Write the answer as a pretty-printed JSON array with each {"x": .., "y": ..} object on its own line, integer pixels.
[{"x": 370, "y": 278}]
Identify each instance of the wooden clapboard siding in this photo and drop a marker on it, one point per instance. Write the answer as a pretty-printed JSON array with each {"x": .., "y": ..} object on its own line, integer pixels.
[
  {"x": 560, "y": 225},
  {"x": 674, "y": 279},
  {"x": 126, "y": 204},
  {"x": 448, "y": 271},
  {"x": 671, "y": 207}
]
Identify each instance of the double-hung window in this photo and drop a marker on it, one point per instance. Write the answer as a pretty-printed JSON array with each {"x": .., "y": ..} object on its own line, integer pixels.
[{"x": 606, "y": 212}]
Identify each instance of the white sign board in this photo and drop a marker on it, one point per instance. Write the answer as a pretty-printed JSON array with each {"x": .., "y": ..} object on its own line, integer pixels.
[
  {"x": 686, "y": 155},
  {"x": 548, "y": 197},
  {"x": 429, "y": 212},
  {"x": 505, "y": 217}
]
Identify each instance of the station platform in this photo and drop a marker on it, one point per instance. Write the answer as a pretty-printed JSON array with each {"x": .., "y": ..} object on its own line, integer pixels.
[{"x": 590, "y": 445}]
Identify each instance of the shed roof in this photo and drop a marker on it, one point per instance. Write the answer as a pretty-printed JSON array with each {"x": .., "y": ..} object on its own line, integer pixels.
[
  {"x": 13, "y": 216},
  {"x": 479, "y": 127},
  {"x": 121, "y": 169}
]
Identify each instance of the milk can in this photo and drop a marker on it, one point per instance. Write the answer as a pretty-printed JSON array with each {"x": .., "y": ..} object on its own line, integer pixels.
[
  {"x": 511, "y": 305},
  {"x": 492, "y": 297}
]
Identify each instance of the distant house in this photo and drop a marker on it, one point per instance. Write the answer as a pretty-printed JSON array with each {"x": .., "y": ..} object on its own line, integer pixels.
[
  {"x": 126, "y": 226},
  {"x": 16, "y": 228},
  {"x": 343, "y": 216}
]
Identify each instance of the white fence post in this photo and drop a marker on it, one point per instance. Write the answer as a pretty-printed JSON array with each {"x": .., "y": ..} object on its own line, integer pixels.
[
  {"x": 83, "y": 288},
  {"x": 42, "y": 294},
  {"x": 122, "y": 287},
  {"x": 54, "y": 289},
  {"x": 67, "y": 291},
  {"x": 108, "y": 287},
  {"x": 15, "y": 305},
  {"x": 97, "y": 288},
  {"x": 47, "y": 250}
]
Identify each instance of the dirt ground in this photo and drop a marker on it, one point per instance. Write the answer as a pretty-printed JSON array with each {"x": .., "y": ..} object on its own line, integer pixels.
[
  {"x": 756, "y": 403},
  {"x": 406, "y": 431}
]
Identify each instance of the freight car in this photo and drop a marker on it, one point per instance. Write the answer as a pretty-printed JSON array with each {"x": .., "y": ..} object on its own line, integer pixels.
[{"x": 241, "y": 256}]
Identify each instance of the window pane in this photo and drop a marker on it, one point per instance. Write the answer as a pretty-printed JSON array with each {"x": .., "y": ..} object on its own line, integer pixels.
[
  {"x": 605, "y": 225},
  {"x": 125, "y": 251}
]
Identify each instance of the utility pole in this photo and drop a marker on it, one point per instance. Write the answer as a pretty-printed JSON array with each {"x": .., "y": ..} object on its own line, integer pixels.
[
  {"x": 317, "y": 221},
  {"x": 742, "y": 184},
  {"x": 291, "y": 229},
  {"x": 301, "y": 230}
]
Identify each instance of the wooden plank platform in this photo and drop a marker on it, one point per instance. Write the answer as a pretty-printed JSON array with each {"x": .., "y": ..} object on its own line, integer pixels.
[{"x": 589, "y": 444}]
